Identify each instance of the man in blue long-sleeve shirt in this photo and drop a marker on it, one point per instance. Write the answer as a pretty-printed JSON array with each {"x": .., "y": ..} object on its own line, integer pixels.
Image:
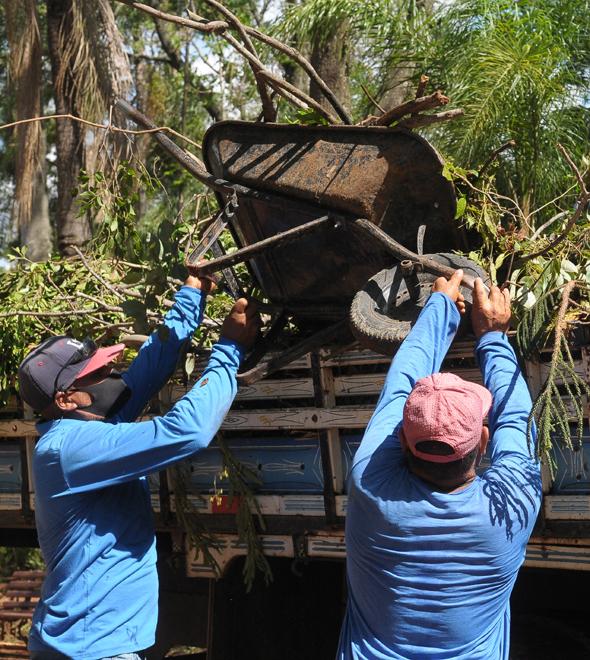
[
  {"x": 433, "y": 550},
  {"x": 92, "y": 506}
]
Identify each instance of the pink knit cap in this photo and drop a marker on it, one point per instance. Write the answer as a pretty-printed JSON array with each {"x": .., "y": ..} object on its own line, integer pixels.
[{"x": 446, "y": 408}]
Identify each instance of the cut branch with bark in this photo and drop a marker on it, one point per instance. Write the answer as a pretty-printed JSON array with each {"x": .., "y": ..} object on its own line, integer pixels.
[{"x": 421, "y": 104}]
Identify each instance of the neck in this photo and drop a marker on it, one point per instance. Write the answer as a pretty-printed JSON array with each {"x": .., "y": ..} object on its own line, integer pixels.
[
  {"x": 82, "y": 415},
  {"x": 447, "y": 485}
]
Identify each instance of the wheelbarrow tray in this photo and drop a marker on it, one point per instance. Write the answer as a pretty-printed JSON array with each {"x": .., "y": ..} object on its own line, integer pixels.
[{"x": 390, "y": 176}]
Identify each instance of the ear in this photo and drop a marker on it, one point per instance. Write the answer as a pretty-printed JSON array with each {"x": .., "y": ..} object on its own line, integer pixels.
[
  {"x": 402, "y": 439},
  {"x": 484, "y": 439},
  {"x": 65, "y": 401}
]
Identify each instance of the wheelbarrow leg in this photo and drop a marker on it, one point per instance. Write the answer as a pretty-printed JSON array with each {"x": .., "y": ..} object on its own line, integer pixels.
[
  {"x": 210, "y": 241},
  {"x": 262, "y": 345},
  {"x": 278, "y": 362}
]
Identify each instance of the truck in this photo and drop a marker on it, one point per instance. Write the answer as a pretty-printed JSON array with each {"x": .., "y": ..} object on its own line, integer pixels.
[{"x": 290, "y": 439}]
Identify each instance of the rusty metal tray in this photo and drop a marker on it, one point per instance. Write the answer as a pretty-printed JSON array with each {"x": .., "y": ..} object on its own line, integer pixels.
[{"x": 392, "y": 177}]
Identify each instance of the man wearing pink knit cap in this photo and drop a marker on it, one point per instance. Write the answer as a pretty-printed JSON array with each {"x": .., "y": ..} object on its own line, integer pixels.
[{"x": 433, "y": 547}]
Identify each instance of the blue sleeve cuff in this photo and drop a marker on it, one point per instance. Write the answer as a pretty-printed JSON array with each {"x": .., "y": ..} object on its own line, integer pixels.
[
  {"x": 232, "y": 349},
  {"x": 490, "y": 338},
  {"x": 448, "y": 302},
  {"x": 190, "y": 303}
]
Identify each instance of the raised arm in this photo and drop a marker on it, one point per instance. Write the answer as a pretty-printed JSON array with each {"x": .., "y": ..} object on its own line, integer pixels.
[
  {"x": 420, "y": 354},
  {"x": 159, "y": 355},
  {"x": 511, "y": 405},
  {"x": 100, "y": 454}
]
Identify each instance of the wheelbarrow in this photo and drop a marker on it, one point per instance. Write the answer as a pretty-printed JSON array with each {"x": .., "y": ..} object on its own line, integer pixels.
[{"x": 333, "y": 223}]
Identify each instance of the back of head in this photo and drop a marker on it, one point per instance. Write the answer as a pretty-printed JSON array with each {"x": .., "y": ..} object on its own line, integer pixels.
[{"x": 442, "y": 425}]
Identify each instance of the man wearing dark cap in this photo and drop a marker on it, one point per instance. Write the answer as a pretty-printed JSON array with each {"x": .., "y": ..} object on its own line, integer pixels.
[
  {"x": 433, "y": 549},
  {"x": 92, "y": 506}
]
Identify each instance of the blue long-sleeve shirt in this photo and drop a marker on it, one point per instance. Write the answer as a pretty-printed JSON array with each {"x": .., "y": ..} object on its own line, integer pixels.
[
  {"x": 430, "y": 573},
  {"x": 92, "y": 501}
]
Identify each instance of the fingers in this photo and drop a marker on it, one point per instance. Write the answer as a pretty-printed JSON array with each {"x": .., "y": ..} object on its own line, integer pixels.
[
  {"x": 240, "y": 306},
  {"x": 480, "y": 296},
  {"x": 456, "y": 278}
]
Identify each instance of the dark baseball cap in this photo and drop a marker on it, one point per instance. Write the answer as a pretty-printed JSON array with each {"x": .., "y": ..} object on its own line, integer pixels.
[{"x": 56, "y": 363}]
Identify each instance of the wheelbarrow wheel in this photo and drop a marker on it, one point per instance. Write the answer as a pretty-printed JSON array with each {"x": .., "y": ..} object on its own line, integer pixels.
[{"x": 384, "y": 310}]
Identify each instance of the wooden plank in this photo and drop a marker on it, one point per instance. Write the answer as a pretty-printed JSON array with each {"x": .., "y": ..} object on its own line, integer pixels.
[
  {"x": 298, "y": 419},
  {"x": 17, "y": 428},
  {"x": 579, "y": 368},
  {"x": 558, "y": 556},
  {"x": 295, "y": 388},
  {"x": 567, "y": 507}
]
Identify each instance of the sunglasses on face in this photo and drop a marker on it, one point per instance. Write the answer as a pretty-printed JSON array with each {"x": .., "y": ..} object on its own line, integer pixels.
[{"x": 87, "y": 349}]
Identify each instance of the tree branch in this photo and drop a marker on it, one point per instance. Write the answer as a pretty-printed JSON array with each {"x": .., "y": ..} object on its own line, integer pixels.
[
  {"x": 495, "y": 153},
  {"x": 582, "y": 204},
  {"x": 434, "y": 100},
  {"x": 201, "y": 25},
  {"x": 210, "y": 26},
  {"x": 108, "y": 127},
  {"x": 415, "y": 121},
  {"x": 268, "y": 109}
]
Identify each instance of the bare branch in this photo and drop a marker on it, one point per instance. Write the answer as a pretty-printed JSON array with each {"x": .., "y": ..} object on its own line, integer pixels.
[
  {"x": 209, "y": 26},
  {"x": 268, "y": 108},
  {"x": 108, "y": 127},
  {"x": 373, "y": 100},
  {"x": 434, "y": 100},
  {"x": 581, "y": 206},
  {"x": 422, "y": 86},
  {"x": 415, "y": 121},
  {"x": 279, "y": 84},
  {"x": 222, "y": 26},
  {"x": 495, "y": 153},
  {"x": 574, "y": 168},
  {"x": 95, "y": 274},
  {"x": 307, "y": 67}
]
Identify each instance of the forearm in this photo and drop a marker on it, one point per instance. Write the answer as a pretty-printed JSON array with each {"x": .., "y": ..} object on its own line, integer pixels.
[
  {"x": 100, "y": 454},
  {"x": 158, "y": 356},
  {"x": 423, "y": 350},
  {"x": 204, "y": 407},
  {"x": 508, "y": 417}
]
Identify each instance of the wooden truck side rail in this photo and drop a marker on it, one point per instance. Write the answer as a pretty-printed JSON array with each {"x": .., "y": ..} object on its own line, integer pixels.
[{"x": 298, "y": 432}]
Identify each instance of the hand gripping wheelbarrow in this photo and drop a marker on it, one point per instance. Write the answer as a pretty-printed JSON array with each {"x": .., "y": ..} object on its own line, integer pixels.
[{"x": 333, "y": 222}]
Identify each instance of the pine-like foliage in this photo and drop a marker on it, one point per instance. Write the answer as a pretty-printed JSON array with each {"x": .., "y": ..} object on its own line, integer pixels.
[{"x": 564, "y": 392}]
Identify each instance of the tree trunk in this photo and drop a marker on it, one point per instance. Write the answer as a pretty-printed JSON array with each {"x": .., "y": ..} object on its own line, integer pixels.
[
  {"x": 30, "y": 213},
  {"x": 399, "y": 85},
  {"x": 72, "y": 229},
  {"x": 36, "y": 234},
  {"x": 330, "y": 58}
]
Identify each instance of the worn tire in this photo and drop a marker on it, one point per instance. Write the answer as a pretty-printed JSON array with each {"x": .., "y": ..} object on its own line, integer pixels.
[{"x": 381, "y": 328}]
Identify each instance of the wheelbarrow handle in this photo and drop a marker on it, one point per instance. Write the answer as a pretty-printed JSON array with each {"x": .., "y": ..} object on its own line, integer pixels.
[
  {"x": 253, "y": 250},
  {"x": 403, "y": 254}
]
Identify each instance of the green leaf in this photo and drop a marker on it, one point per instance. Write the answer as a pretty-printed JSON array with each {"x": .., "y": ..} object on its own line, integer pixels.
[
  {"x": 461, "y": 207},
  {"x": 189, "y": 364}
]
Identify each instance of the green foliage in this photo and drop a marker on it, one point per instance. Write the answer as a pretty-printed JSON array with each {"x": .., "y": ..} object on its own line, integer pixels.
[
  {"x": 550, "y": 293},
  {"x": 519, "y": 70},
  {"x": 240, "y": 478},
  {"x": 308, "y": 117},
  {"x": 16, "y": 559}
]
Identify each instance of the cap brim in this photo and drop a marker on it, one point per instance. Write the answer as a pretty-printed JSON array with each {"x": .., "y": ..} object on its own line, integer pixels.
[{"x": 100, "y": 358}]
